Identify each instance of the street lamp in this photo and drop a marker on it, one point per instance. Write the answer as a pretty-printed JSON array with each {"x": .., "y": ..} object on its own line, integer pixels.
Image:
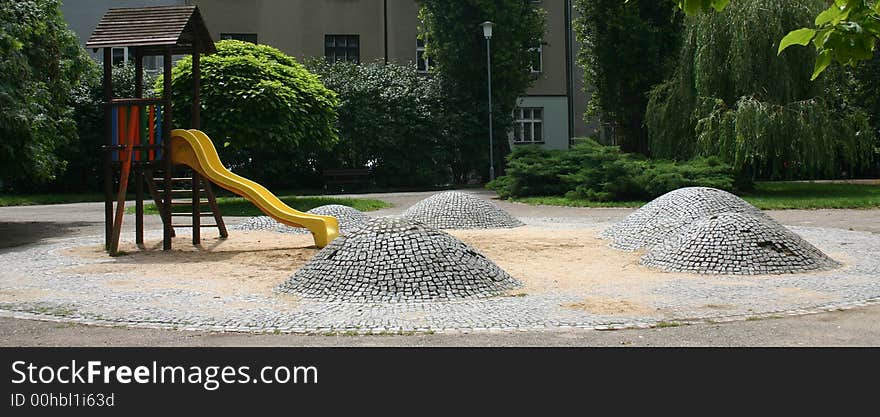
[{"x": 487, "y": 32}]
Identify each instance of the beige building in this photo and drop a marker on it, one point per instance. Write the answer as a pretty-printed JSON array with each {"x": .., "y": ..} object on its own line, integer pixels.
[{"x": 550, "y": 113}]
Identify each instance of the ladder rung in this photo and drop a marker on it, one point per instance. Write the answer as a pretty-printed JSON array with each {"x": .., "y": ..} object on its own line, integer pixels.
[
  {"x": 186, "y": 191},
  {"x": 190, "y": 226},
  {"x": 189, "y": 203},
  {"x": 173, "y": 179}
]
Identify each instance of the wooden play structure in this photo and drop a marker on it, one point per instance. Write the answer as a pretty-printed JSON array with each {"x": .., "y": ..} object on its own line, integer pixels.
[
  {"x": 139, "y": 129},
  {"x": 142, "y": 146}
]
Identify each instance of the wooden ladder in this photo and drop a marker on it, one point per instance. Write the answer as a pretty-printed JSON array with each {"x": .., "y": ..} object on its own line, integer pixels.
[{"x": 188, "y": 192}]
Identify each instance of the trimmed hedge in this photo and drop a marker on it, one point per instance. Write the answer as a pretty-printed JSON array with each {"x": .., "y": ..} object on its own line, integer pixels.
[{"x": 603, "y": 173}]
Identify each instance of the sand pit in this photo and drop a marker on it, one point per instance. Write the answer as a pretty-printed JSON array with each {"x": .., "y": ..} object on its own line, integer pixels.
[
  {"x": 250, "y": 263},
  {"x": 570, "y": 261},
  {"x": 574, "y": 262},
  {"x": 570, "y": 278}
]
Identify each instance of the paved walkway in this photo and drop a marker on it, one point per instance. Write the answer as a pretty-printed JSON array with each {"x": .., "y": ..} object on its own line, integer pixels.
[{"x": 23, "y": 225}]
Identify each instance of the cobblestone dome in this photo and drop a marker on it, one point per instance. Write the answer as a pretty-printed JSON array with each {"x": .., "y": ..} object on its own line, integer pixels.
[
  {"x": 668, "y": 214},
  {"x": 398, "y": 260},
  {"x": 348, "y": 218},
  {"x": 738, "y": 244},
  {"x": 457, "y": 210}
]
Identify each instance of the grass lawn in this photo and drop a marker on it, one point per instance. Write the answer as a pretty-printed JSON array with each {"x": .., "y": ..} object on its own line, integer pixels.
[
  {"x": 236, "y": 206},
  {"x": 37, "y": 199},
  {"x": 766, "y": 196}
]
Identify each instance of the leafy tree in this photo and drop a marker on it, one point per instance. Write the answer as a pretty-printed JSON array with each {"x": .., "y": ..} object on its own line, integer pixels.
[
  {"x": 41, "y": 64},
  {"x": 732, "y": 97},
  {"x": 268, "y": 115},
  {"x": 456, "y": 43},
  {"x": 390, "y": 119},
  {"x": 628, "y": 48},
  {"x": 846, "y": 32}
]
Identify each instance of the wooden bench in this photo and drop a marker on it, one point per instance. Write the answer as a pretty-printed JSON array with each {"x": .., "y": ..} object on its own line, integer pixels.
[{"x": 342, "y": 177}]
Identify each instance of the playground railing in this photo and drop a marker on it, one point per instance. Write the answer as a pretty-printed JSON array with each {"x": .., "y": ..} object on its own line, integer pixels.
[{"x": 137, "y": 127}]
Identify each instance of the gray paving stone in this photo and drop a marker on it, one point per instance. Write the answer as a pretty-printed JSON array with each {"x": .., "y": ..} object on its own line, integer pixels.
[
  {"x": 737, "y": 244},
  {"x": 348, "y": 218},
  {"x": 666, "y": 215},
  {"x": 398, "y": 260},
  {"x": 458, "y": 210}
]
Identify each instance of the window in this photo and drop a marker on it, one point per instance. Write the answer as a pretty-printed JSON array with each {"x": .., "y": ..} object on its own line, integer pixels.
[
  {"x": 153, "y": 64},
  {"x": 536, "y": 55},
  {"x": 423, "y": 64},
  {"x": 246, "y": 37},
  {"x": 529, "y": 125},
  {"x": 342, "y": 48},
  {"x": 119, "y": 55}
]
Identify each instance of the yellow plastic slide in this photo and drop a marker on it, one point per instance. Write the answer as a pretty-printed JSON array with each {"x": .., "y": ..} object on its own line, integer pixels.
[{"x": 194, "y": 149}]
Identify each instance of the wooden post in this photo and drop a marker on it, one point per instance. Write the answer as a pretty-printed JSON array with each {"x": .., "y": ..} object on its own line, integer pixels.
[
  {"x": 108, "y": 153},
  {"x": 139, "y": 169},
  {"x": 168, "y": 165},
  {"x": 195, "y": 123}
]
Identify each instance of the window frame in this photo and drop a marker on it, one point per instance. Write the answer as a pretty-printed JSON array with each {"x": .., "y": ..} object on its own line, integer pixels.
[
  {"x": 239, "y": 36},
  {"x": 540, "y": 50},
  {"x": 347, "y": 48},
  {"x": 520, "y": 123},
  {"x": 421, "y": 48},
  {"x": 124, "y": 55}
]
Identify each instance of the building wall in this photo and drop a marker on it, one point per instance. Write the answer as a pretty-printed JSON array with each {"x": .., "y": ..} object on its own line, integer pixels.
[
  {"x": 297, "y": 27},
  {"x": 83, "y": 15},
  {"x": 555, "y": 122},
  {"x": 403, "y": 29},
  {"x": 552, "y": 80},
  {"x": 580, "y": 97}
]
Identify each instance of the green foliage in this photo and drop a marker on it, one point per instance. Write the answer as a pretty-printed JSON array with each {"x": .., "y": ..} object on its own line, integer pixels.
[
  {"x": 733, "y": 98},
  {"x": 846, "y": 32},
  {"x": 41, "y": 63},
  {"x": 865, "y": 91},
  {"x": 390, "y": 119},
  {"x": 802, "y": 139},
  {"x": 456, "y": 43},
  {"x": 627, "y": 48},
  {"x": 84, "y": 168},
  {"x": 268, "y": 115},
  {"x": 595, "y": 172}
]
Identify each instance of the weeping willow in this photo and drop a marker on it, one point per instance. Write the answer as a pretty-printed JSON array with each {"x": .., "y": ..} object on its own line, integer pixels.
[{"x": 733, "y": 97}]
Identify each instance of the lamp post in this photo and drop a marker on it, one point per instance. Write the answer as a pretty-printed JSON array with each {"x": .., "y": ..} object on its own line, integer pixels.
[{"x": 487, "y": 32}]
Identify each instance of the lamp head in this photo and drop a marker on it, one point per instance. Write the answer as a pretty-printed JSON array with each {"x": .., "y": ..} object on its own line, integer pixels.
[{"x": 487, "y": 29}]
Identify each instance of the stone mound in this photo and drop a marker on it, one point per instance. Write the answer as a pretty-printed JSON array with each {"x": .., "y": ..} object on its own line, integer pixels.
[
  {"x": 457, "y": 210},
  {"x": 398, "y": 260},
  {"x": 738, "y": 244},
  {"x": 668, "y": 214},
  {"x": 349, "y": 218}
]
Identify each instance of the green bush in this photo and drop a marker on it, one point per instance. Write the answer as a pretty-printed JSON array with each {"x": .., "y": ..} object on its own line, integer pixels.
[
  {"x": 268, "y": 115},
  {"x": 390, "y": 119},
  {"x": 40, "y": 63},
  {"x": 603, "y": 173}
]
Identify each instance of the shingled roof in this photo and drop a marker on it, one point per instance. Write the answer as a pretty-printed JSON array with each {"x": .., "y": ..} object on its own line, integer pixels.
[{"x": 153, "y": 29}]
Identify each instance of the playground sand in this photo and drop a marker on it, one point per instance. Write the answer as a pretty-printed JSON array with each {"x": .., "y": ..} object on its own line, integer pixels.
[{"x": 574, "y": 262}]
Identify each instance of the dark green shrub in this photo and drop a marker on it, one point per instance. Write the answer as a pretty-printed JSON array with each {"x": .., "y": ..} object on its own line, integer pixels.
[
  {"x": 603, "y": 173},
  {"x": 390, "y": 119},
  {"x": 267, "y": 114}
]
